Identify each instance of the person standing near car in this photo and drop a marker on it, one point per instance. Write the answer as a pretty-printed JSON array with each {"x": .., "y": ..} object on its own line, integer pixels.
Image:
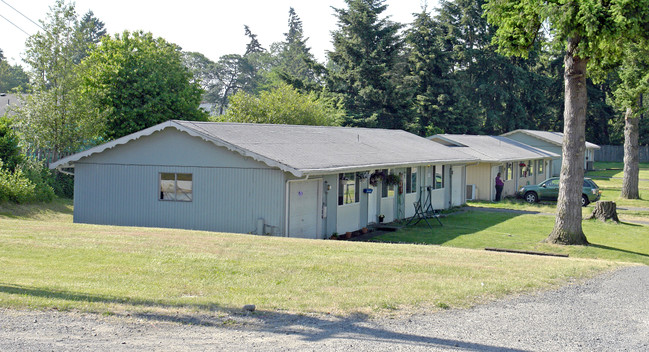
[{"x": 499, "y": 187}]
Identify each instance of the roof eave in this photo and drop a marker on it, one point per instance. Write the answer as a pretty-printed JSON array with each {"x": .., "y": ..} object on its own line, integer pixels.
[
  {"x": 339, "y": 169},
  {"x": 68, "y": 162}
]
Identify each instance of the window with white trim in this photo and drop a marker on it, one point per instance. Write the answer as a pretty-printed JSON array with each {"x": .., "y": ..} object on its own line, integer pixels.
[
  {"x": 411, "y": 180},
  {"x": 387, "y": 190},
  {"x": 176, "y": 187},
  {"x": 438, "y": 177},
  {"x": 348, "y": 188},
  {"x": 530, "y": 168}
]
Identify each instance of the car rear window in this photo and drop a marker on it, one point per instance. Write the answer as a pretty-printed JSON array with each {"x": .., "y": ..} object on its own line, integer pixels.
[{"x": 590, "y": 183}]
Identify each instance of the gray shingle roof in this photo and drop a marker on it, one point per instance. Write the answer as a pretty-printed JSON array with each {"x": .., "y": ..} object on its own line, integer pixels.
[
  {"x": 492, "y": 148},
  {"x": 303, "y": 150},
  {"x": 7, "y": 101},
  {"x": 555, "y": 138}
]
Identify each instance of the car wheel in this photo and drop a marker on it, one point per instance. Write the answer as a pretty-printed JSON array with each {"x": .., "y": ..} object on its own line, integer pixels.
[
  {"x": 531, "y": 197},
  {"x": 584, "y": 200}
]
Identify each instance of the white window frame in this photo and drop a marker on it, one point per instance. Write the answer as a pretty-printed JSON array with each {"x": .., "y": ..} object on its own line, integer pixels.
[{"x": 189, "y": 195}]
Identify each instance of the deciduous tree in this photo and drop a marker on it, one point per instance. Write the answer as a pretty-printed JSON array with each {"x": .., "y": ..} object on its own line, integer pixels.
[
  {"x": 632, "y": 87},
  {"x": 594, "y": 33},
  {"x": 283, "y": 105},
  {"x": 137, "y": 81},
  {"x": 56, "y": 116}
]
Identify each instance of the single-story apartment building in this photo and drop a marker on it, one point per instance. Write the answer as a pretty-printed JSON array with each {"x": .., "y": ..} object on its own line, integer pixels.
[
  {"x": 284, "y": 180},
  {"x": 551, "y": 142},
  {"x": 518, "y": 164}
]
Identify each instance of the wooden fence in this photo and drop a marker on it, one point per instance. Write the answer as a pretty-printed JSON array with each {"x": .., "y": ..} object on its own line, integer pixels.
[
  {"x": 47, "y": 156},
  {"x": 615, "y": 153}
]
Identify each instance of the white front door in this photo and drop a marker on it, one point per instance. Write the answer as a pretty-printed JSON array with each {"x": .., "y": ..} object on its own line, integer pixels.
[
  {"x": 458, "y": 186},
  {"x": 304, "y": 209},
  {"x": 372, "y": 205},
  {"x": 492, "y": 181}
]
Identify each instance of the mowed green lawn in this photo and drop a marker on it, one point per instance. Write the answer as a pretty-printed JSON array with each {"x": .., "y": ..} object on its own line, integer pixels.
[
  {"x": 628, "y": 209},
  {"x": 48, "y": 262},
  {"x": 626, "y": 242},
  {"x": 526, "y": 229}
]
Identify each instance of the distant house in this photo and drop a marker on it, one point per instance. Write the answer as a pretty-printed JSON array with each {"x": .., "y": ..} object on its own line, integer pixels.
[
  {"x": 297, "y": 181},
  {"x": 519, "y": 164},
  {"x": 552, "y": 142},
  {"x": 8, "y": 101}
]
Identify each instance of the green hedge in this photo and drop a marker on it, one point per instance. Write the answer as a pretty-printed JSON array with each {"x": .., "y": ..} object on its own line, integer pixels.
[{"x": 28, "y": 183}]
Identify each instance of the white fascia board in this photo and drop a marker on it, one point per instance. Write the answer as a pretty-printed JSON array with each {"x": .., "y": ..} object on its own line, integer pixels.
[
  {"x": 358, "y": 168},
  {"x": 68, "y": 162}
]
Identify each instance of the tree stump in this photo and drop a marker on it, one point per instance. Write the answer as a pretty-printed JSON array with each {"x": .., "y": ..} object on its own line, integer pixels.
[{"x": 605, "y": 210}]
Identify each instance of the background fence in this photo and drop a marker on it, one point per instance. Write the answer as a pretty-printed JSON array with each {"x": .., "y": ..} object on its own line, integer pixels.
[{"x": 616, "y": 153}]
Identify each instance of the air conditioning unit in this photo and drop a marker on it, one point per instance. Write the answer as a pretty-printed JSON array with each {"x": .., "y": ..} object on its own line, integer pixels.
[{"x": 470, "y": 192}]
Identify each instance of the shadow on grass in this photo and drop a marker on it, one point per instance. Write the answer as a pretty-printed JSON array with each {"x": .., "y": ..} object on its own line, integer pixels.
[
  {"x": 311, "y": 328},
  {"x": 22, "y": 211},
  {"x": 86, "y": 297},
  {"x": 601, "y": 246},
  {"x": 455, "y": 225}
]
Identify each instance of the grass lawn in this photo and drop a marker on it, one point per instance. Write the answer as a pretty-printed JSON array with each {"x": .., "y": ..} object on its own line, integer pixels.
[
  {"x": 610, "y": 188},
  {"x": 625, "y": 242},
  {"x": 47, "y": 262},
  {"x": 610, "y": 169},
  {"x": 479, "y": 229}
]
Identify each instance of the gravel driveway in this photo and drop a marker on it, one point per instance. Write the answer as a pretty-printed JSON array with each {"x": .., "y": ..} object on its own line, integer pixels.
[{"x": 608, "y": 313}]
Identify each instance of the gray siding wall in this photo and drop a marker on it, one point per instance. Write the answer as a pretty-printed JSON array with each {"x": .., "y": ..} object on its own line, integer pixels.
[
  {"x": 173, "y": 148},
  {"x": 230, "y": 192}
]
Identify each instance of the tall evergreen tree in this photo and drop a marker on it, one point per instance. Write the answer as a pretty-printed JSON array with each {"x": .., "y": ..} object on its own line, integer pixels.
[
  {"x": 253, "y": 45},
  {"x": 89, "y": 31},
  {"x": 295, "y": 63},
  {"x": 11, "y": 76},
  {"x": 363, "y": 65},
  {"x": 439, "y": 102},
  {"x": 506, "y": 93}
]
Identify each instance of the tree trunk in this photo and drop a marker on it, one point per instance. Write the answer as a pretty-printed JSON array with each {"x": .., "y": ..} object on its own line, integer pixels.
[
  {"x": 604, "y": 210},
  {"x": 567, "y": 227},
  {"x": 631, "y": 166}
]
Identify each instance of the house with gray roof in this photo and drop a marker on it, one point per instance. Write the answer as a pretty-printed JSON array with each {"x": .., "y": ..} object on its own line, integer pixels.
[
  {"x": 297, "y": 181},
  {"x": 552, "y": 142},
  {"x": 7, "y": 101},
  {"x": 519, "y": 164}
]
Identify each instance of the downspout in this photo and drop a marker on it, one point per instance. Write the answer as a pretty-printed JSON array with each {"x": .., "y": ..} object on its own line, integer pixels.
[
  {"x": 286, "y": 207},
  {"x": 324, "y": 214},
  {"x": 450, "y": 186},
  {"x": 65, "y": 172}
]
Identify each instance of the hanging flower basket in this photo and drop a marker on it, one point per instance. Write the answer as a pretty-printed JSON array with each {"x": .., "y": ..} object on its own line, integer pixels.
[
  {"x": 521, "y": 164},
  {"x": 362, "y": 175},
  {"x": 376, "y": 177},
  {"x": 392, "y": 180}
]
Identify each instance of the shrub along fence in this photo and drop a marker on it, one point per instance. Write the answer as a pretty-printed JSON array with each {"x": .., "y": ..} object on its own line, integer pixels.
[{"x": 615, "y": 153}]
